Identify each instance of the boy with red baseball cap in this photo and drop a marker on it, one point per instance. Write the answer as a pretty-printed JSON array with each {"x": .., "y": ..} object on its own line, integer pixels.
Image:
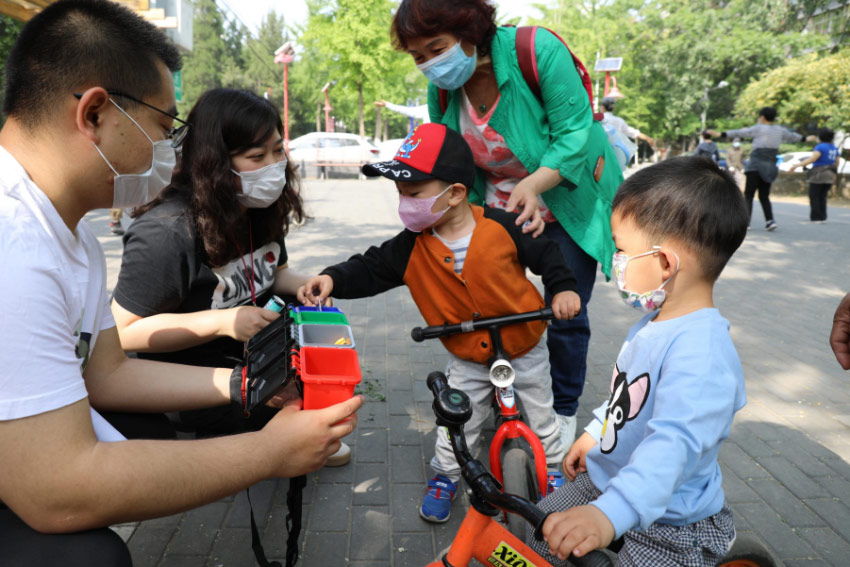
[{"x": 462, "y": 262}]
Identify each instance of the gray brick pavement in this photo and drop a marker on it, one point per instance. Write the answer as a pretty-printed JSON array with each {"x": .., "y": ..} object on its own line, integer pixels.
[{"x": 786, "y": 470}]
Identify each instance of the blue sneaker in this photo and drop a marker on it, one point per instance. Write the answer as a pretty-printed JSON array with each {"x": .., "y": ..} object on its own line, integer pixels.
[
  {"x": 437, "y": 504},
  {"x": 556, "y": 480}
]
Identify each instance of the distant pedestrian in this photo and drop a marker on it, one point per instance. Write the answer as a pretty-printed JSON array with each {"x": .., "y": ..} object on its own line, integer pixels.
[
  {"x": 735, "y": 162},
  {"x": 115, "y": 221},
  {"x": 707, "y": 148},
  {"x": 761, "y": 171},
  {"x": 822, "y": 175}
]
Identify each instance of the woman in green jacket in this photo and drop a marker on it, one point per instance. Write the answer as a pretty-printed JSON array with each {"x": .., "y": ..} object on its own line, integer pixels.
[{"x": 545, "y": 157}]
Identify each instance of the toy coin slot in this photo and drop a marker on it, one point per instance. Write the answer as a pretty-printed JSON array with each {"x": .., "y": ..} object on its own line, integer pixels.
[
  {"x": 329, "y": 375},
  {"x": 325, "y": 335}
]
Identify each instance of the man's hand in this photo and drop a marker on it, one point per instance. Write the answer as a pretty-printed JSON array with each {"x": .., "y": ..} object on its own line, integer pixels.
[
  {"x": 242, "y": 323},
  {"x": 566, "y": 305},
  {"x": 316, "y": 291},
  {"x": 576, "y": 460},
  {"x": 578, "y": 531},
  {"x": 839, "y": 338},
  {"x": 299, "y": 442}
]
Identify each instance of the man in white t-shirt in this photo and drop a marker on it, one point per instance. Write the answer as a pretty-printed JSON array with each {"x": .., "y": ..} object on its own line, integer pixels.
[
  {"x": 607, "y": 104},
  {"x": 88, "y": 95}
]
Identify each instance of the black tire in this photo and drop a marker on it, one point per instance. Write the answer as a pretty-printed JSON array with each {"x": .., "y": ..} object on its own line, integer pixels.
[
  {"x": 519, "y": 478},
  {"x": 748, "y": 551}
]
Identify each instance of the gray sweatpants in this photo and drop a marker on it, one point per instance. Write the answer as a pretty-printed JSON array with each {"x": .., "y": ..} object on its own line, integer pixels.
[{"x": 533, "y": 387}]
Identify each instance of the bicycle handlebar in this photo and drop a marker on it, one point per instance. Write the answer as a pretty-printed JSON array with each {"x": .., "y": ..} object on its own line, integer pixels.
[
  {"x": 419, "y": 334},
  {"x": 453, "y": 409}
]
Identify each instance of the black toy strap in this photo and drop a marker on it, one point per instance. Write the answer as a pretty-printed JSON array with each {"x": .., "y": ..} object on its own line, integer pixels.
[{"x": 293, "y": 525}]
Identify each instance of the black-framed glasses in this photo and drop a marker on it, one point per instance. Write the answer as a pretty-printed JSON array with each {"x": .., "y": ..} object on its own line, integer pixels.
[{"x": 175, "y": 135}]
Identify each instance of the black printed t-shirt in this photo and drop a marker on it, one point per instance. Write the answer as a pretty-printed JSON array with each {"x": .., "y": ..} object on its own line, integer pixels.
[{"x": 164, "y": 269}]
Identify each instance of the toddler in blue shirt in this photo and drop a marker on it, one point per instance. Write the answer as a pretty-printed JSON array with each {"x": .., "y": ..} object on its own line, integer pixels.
[{"x": 646, "y": 469}]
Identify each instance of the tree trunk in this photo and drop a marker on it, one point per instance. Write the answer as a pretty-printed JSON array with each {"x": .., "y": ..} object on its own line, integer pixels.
[
  {"x": 319, "y": 116},
  {"x": 360, "y": 99},
  {"x": 378, "y": 125}
]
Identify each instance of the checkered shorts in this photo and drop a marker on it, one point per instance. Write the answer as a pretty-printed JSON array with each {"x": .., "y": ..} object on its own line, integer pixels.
[{"x": 700, "y": 544}]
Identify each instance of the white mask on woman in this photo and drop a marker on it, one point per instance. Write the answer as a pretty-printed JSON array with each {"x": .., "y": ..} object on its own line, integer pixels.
[{"x": 262, "y": 187}]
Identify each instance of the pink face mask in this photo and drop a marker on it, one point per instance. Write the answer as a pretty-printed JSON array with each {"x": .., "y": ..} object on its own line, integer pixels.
[{"x": 416, "y": 213}]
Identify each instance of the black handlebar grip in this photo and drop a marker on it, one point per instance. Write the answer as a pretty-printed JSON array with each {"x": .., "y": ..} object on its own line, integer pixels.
[
  {"x": 436, "y": 382},
  {"x": 417, "y": 335}
]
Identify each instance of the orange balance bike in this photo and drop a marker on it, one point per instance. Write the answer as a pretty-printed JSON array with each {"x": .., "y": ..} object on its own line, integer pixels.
[{"x": 517, "y": 471}]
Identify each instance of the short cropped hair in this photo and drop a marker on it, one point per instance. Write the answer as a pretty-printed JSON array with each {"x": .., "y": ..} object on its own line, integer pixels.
[
  {"x": 769, "y": 113},
  {"x": 826, "y": 135},
  {"x": 692, "y": 200},
  {"x": 77, "y": 44},
  {"x": 473, "y": 21},
  {"x": 706, "y": 135}
]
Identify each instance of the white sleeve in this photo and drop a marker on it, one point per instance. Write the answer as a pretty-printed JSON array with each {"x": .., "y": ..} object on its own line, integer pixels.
[
  {"x": 39, "y": 368},
  {"x": 418, "y": 112}
]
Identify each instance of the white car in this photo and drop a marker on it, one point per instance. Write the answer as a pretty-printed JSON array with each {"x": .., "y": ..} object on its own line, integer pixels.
[
  {"x": 388, "y": 149},
  {"x": 319, "y": 153},
  {"x": 795, "y": 158}
]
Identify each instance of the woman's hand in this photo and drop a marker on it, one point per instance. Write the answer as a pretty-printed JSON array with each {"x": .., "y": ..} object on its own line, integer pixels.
[
  {"x": 242, "y": 323},
  {"x": 524, "y": 199},
  {"x": 316, "y": 291},
  {"x": 576, "y": 460},
  {"x": 792, "y": 168}
]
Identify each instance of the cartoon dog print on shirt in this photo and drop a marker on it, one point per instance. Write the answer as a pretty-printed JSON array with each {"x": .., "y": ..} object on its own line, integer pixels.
[{"x": 627, "y": 399}]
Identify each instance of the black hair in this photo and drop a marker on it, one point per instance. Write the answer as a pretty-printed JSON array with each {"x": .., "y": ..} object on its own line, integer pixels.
[
  {"x": 826, "y": 135},
  {"x": 76, "y": 44},
  {"x": 226, "y": 122},
  {"x": 692, "y": 200},
  {"x": 471, "y": 20},
  {"x": 706, "y": 135},
  {"x": 769, "y": 113}
]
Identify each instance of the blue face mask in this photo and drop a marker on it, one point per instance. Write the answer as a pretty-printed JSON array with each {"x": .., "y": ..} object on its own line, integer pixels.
[{"x": 451, "y": 69}]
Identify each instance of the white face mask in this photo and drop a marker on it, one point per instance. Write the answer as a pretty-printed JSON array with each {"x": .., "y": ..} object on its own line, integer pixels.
[
  {"x": 134, "y": 189},
  {"x": 262, "y": 187}
]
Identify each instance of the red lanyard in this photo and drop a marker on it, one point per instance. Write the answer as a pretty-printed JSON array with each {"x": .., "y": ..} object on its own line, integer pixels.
[{"x": 242, "y": 257}]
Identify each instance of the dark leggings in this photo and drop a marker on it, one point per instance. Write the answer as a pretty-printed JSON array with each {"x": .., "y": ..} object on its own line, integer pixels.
[
  {"x": 756, "y": 183},
  {"x": 817, "y": 200},
  {"x": 22, "y": 546}
]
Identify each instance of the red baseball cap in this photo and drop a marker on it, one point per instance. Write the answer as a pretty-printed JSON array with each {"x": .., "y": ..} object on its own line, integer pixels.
[{"x": 431, "y": 151}]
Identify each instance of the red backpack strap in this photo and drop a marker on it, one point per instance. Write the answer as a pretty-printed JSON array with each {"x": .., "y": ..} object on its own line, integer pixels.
[
  {"x": 444, "y": 100},
  {"x": 527, "y": 58}
]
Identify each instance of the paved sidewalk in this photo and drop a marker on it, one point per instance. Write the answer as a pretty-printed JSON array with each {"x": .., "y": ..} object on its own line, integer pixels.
[{"x": 786, "y": 468}]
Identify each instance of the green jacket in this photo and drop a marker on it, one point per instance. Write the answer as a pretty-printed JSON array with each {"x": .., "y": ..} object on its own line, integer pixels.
[{"x": 561, "y": 135}]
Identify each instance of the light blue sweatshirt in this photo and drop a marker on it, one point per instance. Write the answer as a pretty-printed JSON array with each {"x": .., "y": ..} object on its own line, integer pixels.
[{"x": 674, "y": 392}]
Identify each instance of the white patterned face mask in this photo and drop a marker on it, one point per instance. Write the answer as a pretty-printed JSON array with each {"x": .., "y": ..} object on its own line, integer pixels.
[{"x": 646, "y": 302}]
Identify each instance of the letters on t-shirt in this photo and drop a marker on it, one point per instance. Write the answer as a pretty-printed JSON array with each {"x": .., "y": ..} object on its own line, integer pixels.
[{"x": 233, "y": 281}]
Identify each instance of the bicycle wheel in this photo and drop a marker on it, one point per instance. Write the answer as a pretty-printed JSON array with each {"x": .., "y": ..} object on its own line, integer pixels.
[
  {"x": 519, "y": 479},
  {"x": 747, "y": 552}
]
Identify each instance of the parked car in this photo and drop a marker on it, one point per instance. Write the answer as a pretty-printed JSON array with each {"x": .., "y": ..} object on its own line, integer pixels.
[
  {"x": 388, "y": 149},
  {"x": 318, "y": 154},
  {"x": 785, "y": 161}
]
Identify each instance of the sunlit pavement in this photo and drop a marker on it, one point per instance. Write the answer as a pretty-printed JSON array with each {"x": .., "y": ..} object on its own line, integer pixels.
[{"x": 786, "y": 470}]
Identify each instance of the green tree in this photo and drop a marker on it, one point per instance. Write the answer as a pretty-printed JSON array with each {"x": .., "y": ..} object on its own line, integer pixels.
[
  {"x": 808, "y": 91},
  {"x": 9, "y": 29},
  {"x": 349, "y": 40},
  {"x": 202, "y": 68}
]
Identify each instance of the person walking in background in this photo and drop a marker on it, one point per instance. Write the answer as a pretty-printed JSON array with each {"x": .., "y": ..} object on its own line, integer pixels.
[
  {"x": 115, "y": 221},
  {"x": 607, "y": 103},
  {"x": 541, "y": 154},
  {"x": 761, "y": 171},
  {"x": 735, "y": 162},
  {"x": 822, "y": 175},
  {"x": 707, "y": 148}
]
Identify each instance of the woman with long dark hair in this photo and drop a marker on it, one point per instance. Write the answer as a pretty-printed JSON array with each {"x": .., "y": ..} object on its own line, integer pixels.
[
  {"x": 536, "y": 145},
  {"x": 201, "y": 260}
]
